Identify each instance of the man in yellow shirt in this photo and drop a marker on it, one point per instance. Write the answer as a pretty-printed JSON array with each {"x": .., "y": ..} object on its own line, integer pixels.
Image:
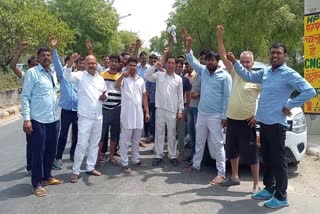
[{"x": 241, "y": 132}]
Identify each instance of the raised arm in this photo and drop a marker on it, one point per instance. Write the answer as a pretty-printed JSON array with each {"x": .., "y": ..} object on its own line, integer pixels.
[
  {"x": 249, "y": 76},
  {"x": 14, "y": 61},
  {"x": 56, "y": 61},
  {"x": 118, "y": 82},
  {"x": 67, "y": 71},
  {"x": 221, "y": 49},
  {"x": 193, "y": 62},
  {"x": 137, "y": 46},
  {"x": 89, "y": 47},
  {"x": 150, "y": 74}
]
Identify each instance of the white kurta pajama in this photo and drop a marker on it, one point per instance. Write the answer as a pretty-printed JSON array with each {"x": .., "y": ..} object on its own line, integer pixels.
[
  {"x": 90, "y": 116},
  {"x": 131, "y": 117},
  {"x": 169, "y": 101}
]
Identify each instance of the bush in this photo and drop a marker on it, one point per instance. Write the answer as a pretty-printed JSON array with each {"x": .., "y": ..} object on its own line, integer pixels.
[{"x": 8, "y": 80}]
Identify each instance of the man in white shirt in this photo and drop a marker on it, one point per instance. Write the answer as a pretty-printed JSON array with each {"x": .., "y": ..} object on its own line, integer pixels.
[
  {"x": 133, "y": 92},
  {"x": 169, "y": 102},
  {"x": 91, "y": 92}
]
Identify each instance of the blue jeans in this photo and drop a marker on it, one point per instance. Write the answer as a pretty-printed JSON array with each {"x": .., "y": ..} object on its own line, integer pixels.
[
  {"x": 44, "y": 138},
  {"x": 192, "y": 119}
]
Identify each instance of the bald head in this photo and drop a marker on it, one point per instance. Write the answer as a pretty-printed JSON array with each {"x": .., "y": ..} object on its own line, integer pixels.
[
  {"x": 246, "y": 59},
  {"x": 91, "y": 64}
]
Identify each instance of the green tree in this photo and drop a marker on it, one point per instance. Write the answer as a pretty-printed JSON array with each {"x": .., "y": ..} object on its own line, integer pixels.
[
  {"x": 95, "y": 20},
  {"x": 249, "y": 24},
  {"x": 158, "y": 43},
  {"x": 27, "y": 20},
  {"x": 122, "y": 41}
]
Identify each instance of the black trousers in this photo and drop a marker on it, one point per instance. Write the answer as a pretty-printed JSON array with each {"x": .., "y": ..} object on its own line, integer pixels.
[
  {"x": 44, "y": 139},
  {"x": 275, "y": 178},
  {"x": 29, "y": 152},
  {"x": 67, "y": 118}
]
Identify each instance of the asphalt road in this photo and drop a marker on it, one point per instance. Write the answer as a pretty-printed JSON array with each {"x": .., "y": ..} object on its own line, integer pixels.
[{"x": 164, "y": 189}]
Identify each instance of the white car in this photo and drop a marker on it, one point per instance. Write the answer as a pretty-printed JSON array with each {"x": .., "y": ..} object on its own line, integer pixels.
[{"x": 296, "y": 137}]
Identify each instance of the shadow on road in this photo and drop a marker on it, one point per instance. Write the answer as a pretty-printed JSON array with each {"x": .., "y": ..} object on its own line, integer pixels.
[
  {"x": 16, "y": 191},
  {"x": 14, "y": 175}
]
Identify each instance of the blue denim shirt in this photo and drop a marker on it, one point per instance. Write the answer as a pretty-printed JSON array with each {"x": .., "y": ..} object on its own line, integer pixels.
[
  {"x": 69, "y": 95},
  {"x": 276, "y": 88},
  {"x": 215, "y": 88},
  {"x": 39, "y": 95}
]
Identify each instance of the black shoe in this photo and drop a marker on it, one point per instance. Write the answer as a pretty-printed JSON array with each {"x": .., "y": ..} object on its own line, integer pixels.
[
  {"x": 174, "y": 161},
  {"x": 72, "y": 158},
  {"x": 156, "y": 161}
]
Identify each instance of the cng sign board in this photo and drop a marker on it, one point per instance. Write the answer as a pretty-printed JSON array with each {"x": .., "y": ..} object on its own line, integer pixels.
[{"x": 312, "y": 59}]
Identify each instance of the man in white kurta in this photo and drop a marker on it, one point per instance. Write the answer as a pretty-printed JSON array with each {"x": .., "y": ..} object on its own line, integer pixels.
[
  {"x": 91, "y": 92},
  {"x": 169, "y": 102},
  {"x": 131, "y": 118}
]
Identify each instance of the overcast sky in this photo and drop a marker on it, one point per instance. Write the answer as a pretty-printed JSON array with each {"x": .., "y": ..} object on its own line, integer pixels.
[{"x": 147, "y": 16}]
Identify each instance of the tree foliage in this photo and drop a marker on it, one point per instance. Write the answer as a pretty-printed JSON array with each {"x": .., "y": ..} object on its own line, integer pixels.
[
  {"x": 29, "y": 20},
  {"x": 249, "y": 24},
  {"x": 95, "y": 20}
]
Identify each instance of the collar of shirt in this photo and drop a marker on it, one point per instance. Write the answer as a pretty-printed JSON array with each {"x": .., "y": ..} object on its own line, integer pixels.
[
  {"x": 145, "y": 67},
  {"x": 218, "y": 70},
  {"x": 280, "y": 68},
  {"x": 95, "y": 74}
]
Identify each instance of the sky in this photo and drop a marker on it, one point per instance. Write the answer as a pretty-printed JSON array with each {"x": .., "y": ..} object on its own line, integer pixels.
[{"x": 147, "y": 17}]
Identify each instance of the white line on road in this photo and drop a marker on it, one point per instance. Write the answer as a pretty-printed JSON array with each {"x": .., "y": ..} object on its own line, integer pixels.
[{"x": 11, "y": 121}]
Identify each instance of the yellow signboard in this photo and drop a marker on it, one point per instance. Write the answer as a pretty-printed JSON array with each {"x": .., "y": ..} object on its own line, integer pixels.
[{"x": 312, "y": 60}]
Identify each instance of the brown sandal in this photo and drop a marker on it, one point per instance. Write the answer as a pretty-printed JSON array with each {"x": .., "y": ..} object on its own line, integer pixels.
[
  {"x": 39, "y": 191},
  {"x": 94, "y": 173},
  {"x": 217, "y": 180},
  {"x": 74, "y": 178}
]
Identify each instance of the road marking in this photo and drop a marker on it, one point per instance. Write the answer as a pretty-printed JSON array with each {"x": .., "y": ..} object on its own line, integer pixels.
[{"x": 11, "y": 121}]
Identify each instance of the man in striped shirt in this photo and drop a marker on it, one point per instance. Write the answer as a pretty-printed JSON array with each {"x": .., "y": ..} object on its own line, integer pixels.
[{"x": 111, "y": 109}]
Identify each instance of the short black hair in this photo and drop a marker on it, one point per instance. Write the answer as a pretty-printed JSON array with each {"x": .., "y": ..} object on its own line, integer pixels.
[
  {"x": 211, "y": 55},
  {"x": 80, "y": 59},
  {"x": 43, "y": 49},
  {"x": 143, "y": 53},
  {"x": 204, "y": 52},
  {"x": 171, "y": 57},
  {"x": 30, "y": 59},
  {"x": 279, "y": 45},
  {"x": 115, "y": 56},
  {"x": 181, "y": 57},
  {"x": 66, "y": 59},
  {"x": 179, "y": 61},
  {"x": 131, "y": 59},
  {"x": 124, "y": 53}
]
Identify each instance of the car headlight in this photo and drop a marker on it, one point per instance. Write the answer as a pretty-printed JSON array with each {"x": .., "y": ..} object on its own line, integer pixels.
[{"x": 299, "y": 123}]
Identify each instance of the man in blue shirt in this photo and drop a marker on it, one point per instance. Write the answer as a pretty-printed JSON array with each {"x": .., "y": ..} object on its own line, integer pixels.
[
  {"x": 277, "y": 84},
  {"x": 69, "y": 107},
  {"x": 41, "y": 119},
  {"x": 215, "y": 92}
]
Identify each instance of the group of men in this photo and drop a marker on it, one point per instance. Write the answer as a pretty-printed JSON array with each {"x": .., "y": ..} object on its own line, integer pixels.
[{"x": 163, "y": 96}]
